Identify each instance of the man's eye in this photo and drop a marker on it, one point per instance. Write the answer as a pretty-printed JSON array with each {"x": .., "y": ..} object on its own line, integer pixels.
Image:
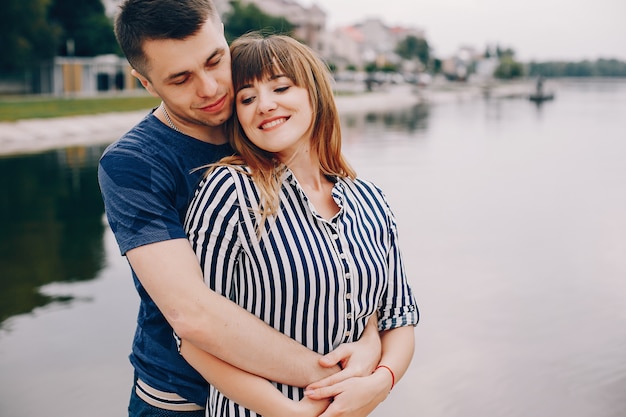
[
  {"x": 180, "y": 82},
  {"x": 214, "y": 62}
]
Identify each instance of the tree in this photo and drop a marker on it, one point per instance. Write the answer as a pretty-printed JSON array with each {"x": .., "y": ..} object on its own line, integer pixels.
[
  {"x": 508, "y": 68},
  {"x": 27, "y": 37},
  {"x": 598, "y": 68},
  {"x": 436, "y": 66},
  {"x": 414, "y": 47},
  {"x": 242, "y": 19},
  {"x": 84, "y": 23},
  {"x": 504, "y": 53}
]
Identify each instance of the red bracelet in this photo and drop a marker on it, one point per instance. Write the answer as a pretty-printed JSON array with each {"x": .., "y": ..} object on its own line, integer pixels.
[{"x": 393, "y": 376}]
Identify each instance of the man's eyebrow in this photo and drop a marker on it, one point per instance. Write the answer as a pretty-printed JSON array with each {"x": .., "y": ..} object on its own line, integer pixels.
[{"x": 218, "y": 51}]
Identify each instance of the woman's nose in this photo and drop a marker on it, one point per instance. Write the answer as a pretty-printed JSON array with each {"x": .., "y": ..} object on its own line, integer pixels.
[{"x": 266, "y": 103}]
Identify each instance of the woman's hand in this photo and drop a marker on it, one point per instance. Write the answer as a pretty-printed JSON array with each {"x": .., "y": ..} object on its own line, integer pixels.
[
  {"x": 356, "y": 359},
  {"x": 354, "y": 397}
]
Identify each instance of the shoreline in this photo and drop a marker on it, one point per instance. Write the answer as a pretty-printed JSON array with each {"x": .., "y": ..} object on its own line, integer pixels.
[{"x": 39, "y": 135}]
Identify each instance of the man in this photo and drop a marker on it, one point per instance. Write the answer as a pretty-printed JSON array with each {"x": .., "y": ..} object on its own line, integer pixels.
[{"x": 178, "y": 52}]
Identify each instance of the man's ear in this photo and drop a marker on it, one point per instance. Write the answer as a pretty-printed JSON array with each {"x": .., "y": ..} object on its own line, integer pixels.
[{"x": 145, "y": 82}]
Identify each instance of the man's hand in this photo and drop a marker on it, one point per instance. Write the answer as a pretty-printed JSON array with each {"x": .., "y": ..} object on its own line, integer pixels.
[
  {"x": 307, "y": 408},
  {"x": 356, "y": 359}
]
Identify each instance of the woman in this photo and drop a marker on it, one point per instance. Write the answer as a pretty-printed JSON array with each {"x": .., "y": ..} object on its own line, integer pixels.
[{"x": 286, "y": 230}]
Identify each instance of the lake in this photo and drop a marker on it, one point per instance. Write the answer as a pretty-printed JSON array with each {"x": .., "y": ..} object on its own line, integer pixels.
[{"x": 512, "y": 220}]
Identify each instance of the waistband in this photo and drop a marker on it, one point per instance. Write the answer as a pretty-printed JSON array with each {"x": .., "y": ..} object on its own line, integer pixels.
[{"x": 164, "y": 400}]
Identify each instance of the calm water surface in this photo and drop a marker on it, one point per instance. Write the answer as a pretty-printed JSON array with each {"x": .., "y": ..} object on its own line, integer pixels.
[{"x": 513, "y": 224}]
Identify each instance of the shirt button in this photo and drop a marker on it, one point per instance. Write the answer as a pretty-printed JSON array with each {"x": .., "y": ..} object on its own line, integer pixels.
[
  {"x": 348, "y": 275},
  {"x": 347, "y": 334},
  {"x": 349, "y": 316},
  {"x": 348, "y": 296},
  {"x": 335, "y": 236},
  {"x": 342, "y": 256}
]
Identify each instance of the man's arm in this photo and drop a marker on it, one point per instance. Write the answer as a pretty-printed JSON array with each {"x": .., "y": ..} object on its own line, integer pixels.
[
  {"x": 171, "y": 274},
  {"x": 259, "y": 394}
]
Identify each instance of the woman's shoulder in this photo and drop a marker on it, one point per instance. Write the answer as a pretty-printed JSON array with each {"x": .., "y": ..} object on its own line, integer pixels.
[
  {"x": 367, "y": 194},
  {"x": 220, "y": 175},
  {"x": 229, "y": 169},
  {"x": 363, "y": 186}
]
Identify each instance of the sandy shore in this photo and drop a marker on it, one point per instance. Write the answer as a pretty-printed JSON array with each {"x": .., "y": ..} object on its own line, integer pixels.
[{"x": 37, "y": 135}]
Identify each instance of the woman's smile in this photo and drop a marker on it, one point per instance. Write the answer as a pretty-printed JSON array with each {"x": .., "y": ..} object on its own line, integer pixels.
[{"x": 273, "y": 123}]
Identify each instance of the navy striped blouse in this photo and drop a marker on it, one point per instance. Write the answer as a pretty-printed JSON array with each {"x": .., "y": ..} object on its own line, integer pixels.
[{"x": 317, "y": 281}]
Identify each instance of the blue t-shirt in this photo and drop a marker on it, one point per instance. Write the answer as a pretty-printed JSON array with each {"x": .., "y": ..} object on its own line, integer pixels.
[{"x": 147, "y": 179}]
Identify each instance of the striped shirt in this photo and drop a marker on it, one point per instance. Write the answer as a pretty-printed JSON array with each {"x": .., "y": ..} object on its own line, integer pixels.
[{"x": 315, "y": 280}]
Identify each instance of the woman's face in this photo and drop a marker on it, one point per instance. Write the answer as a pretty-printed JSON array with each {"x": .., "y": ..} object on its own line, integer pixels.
[{"x": 276, "y": 115}]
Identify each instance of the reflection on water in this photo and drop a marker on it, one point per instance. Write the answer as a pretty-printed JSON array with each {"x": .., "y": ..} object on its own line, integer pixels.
[
  {"x": 407, "y": 121},
  {"x": 51, "y": 221}
]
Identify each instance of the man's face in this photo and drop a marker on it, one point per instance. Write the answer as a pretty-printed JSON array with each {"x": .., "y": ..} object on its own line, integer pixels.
[{"x": 193, "y": 78}]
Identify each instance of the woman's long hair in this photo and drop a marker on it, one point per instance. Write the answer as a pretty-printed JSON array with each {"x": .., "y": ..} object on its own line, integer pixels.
[{"x": 256, "y": 58}]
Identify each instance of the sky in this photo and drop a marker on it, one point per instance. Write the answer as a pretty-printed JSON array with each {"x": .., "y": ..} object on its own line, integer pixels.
[{"x": 539, "y": 30}]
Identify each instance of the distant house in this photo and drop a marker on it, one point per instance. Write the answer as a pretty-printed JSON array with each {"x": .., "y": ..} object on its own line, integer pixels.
[
  {"x": 366, "y": 42},
  {"x": 309, "y": 22},
  {"x": 461, "y": 65},
  {"x": 86, "y": 76},
  {"x": 343, "y": 47}
]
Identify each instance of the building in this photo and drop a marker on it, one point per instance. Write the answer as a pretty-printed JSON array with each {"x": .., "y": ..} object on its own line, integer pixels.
[
  {"x": 343, "y": 47},
  {"x": 370, "y": 41},
  {"x": 86, "y": 76},
  {"x": 309, "y": 22}
]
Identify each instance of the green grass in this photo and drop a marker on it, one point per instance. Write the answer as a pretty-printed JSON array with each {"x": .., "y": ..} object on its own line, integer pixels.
[{"x": 17, "y": 108}]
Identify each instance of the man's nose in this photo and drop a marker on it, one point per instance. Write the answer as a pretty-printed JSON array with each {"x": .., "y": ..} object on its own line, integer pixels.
[{"x": 208, "y": 85}]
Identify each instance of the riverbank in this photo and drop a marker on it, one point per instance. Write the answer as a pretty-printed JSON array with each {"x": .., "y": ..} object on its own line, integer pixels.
[{"x": 38, "y": 135}]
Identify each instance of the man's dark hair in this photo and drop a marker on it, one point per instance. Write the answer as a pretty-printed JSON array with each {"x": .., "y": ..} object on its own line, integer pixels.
[{"x": 142, "y": 20}]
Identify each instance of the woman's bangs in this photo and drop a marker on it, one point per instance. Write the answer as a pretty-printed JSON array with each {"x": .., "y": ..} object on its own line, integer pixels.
[{"x": 260, "y": 65}]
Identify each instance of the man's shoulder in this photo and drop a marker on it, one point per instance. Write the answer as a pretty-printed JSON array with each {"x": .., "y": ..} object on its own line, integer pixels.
[
  {"x": 152, "y": 141},
  {"x": 141, "y": 138}
]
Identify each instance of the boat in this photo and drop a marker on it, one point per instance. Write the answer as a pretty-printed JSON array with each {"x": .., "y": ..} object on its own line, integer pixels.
[{"x": 540, "y": 95}]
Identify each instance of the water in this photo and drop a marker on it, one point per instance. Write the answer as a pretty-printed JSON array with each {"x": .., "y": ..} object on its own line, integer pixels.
[{"x": 512, "y": 221}]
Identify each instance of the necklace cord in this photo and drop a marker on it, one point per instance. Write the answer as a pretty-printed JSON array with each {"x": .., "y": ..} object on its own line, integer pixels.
[{"x": 169, "y": 121}]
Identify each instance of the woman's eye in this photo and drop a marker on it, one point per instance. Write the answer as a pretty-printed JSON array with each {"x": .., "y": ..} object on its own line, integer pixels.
[
  {"x": 282, "y": 89},
  {"x": 247, "y": 100}
]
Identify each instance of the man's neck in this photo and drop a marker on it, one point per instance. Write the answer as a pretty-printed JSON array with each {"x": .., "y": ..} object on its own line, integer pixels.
[{"x": 215, "y": 135}]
